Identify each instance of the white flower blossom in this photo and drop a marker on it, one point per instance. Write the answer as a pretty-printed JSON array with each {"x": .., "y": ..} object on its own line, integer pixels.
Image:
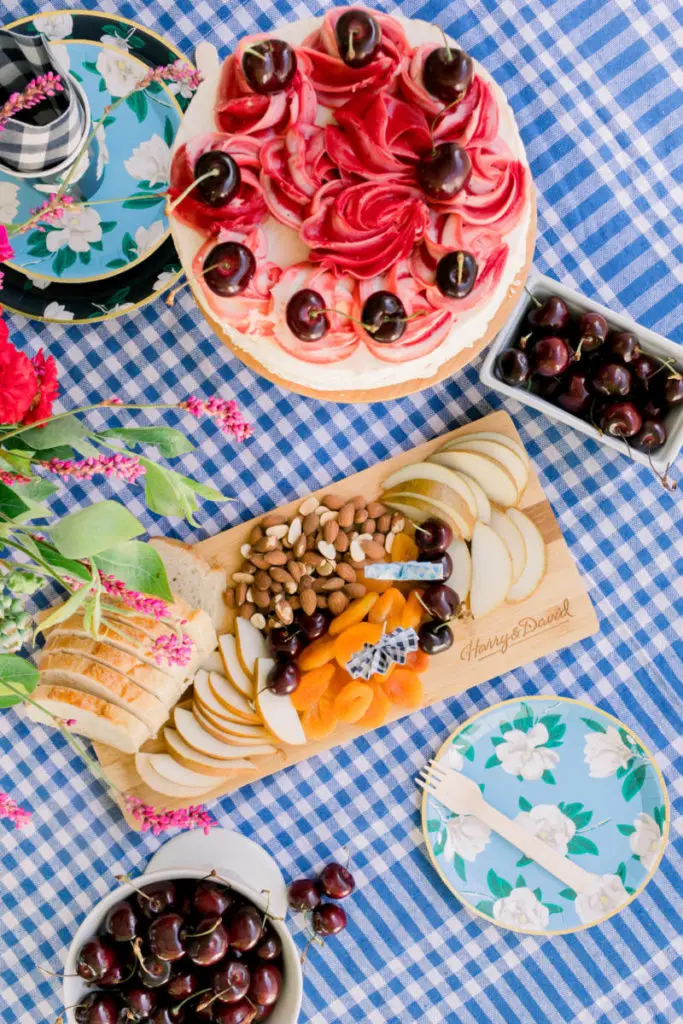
[
  {"x": 150, "y": 161},
  {"x": 521, "y": 909},
  {"x": 454, "y": 758},
  {"x": 646, "y": 841},
  {"x": 605, "y": 894},
  {"x": 180, "y": 89},
  {"x": 548, "y": 823},
  {"x": 56, "y": 311},
  {"x": 147, "y": 239},
  {"x": 54, "y": 26},
  {"x": 9, "y": 201},
  {"x": 120, "y": 42},
  {"x": 39, "y": 282},
  {"x": 604, "y": 753},
  {"x": 78, "y": 228},
  {"x": 120, "y": 74},
  {"x": 467, "y": 836},
  {"x": 523, "y": 753},
  {"x": 165, "y": 278}
]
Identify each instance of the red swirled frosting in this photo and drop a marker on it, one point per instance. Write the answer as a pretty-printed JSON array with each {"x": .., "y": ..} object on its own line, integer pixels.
[
  {"x": 246, "y": 312},
  {"x": 338, "y": 291},
  {"x": 245, "y": 210},
  {"x": 240, "y": 109},
  {"x": 294, "y": 166},
  {"x": 495, "y": 195},
  {"x": 378, "y": 137},
  {"x": 334, "y": 81}
]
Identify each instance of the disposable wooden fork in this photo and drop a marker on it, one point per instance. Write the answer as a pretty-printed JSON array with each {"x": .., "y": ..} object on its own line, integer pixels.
[{"x": 462, "y": 796}]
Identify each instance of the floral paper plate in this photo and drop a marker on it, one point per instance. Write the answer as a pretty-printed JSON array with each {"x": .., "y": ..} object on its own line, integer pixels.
[
  {"x": 574, "y": 776},
  {"x": 105, "y": 259}
]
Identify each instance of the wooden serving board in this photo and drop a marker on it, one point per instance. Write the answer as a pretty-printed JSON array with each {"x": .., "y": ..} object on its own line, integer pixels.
[{"x": 558, "y": 613}]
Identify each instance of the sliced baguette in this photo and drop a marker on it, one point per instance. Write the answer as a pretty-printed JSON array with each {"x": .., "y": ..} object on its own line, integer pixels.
[
  {"x": 191, "y": 576},
  {"x": 202, "y": 741},
  {"x": 184, "y": 754},
  {"x": 94, "y": 718},
  {"x": 151, "y": 777},
  {"x": 212, "y": 662}
]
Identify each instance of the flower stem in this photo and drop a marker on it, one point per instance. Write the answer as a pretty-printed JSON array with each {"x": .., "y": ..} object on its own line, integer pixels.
[{"x": 213, "y": 173}]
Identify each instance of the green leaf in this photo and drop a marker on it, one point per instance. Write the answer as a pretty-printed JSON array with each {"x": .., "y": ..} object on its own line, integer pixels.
[
  {"x": 553, "y": 908},
  {"x": 168, "y": 441},
  {"x": 64, "y": 611},
  {"x": 567, "y": 894},
  {"x": 38, "y": 489},
  {"x": 629, "y": 889},
  {"x": 579, "y": 844},
  {"x": 633, "y": 783},
  {"x": 144, "y": 186},
  {"x": 129, "y": 247},
  {"x": 550, "y": 721},
  {"x": 117, "y": 264},
  {"x": 621, "y": 871},
  {"x": 624, "y": 769},
  {"x": 139, "y": 566},
  {"x": 97, "y": 245},
  {"x": 659, "y": 815},
  {"x": 155, "y": 88},
  {"x": 440, "y": 843},
  {"x": 165, "y": 496},
  {"x": 459, "y": 865},
  {"x": 84, "y": 257},
  {"x": 107, "y": 226},
  {"x": 524, "y": 804},
  {"x": 433, "y": 825},
  {"x": 485, "y": 907},
  {"x": 169, "y": 132},
  {"x": 505, "y": 727},
  {"x": 143, "y": 202},
  {"x": 11, "y": 504},
  {"x": 570, "y": 809},
  {"x": 497, "y": 885},
  {"x": 626, "y": 830},
  {"x": 64, "y": 259},
  {"x": 19, "y": 673},
  {"x": 548, "y": 777},
  {"x": 89, "y": 531},
  {"x": 57, "y": 432},
  {"x": 73, "y": 74},
  {"x": 20, "y": 462},
  {"x": 102, "y": 86},
  {"x": 538, "y": 894},
  {"x": 67, "y": 566},
  {"x": 203, "y": 490},
  {"x": 523, "y": 861},
  {"x": 37, "y": 244},
  {"x": 108, "y": 121},
  {"x": 137, "y": 102},
  {"x": 90, "y": 65},
  {"x": 557, "y": 732},
  {"x": 468, "y": 754},
  {"x": 582, "y": 819},
  {"x": 497, "y": 740},
  {"x": 521, "y": 882},
  {"x": 492, "y": 761},
  {"x": 592, "y": 724}
]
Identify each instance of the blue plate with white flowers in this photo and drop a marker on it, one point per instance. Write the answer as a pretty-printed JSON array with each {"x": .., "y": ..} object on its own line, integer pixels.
[
  {"x": 575, "y": 777},
  {"x": 115, "y": 253}
]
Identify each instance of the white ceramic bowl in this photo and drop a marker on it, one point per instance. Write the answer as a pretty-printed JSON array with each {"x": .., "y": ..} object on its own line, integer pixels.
[
  {"x": 655, "y": 344},
  {"x": 287, "y": 1009}
]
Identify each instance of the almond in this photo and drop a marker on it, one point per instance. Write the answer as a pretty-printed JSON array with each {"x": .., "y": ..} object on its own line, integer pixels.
[
  {"x": 299, "y": 546},
  {"x": 321, "y": 601},
  {"x": 360, "y": 516},
  {"x": 354, "y": 590},
  {"x": 359, "y": 502},
  {"x": 284, "y": 612},
  {"x": 327, "y": 516},
  {"x": 262, "y": 580},
  {"x": 279, "y": 531},
  {"x": 255, "y": 535},
  {"x": 247, "y": 610},
  {"x": 370, "y": 525},
  {"x": 327, "y": 568},
  {"x": 356, "y": 551},
  {"x": 346, "y": 514},
  {"x": 258, "y": 561},
  {"x": 276, "y": 587},
  {"x": 398, "y": 523},
  {"x": 280, "y": 574},
  {"x": 265, "y": 544},
  {"x": 373, "y": 550},
  {"x": 308, "y": 601},
  {"x": 310, "y": 524},
  {"x": 334, "y": 583},
  {"x": 276, "y": 558},
  {"x": 347, "y": 572},
  {"x": 261, "y": 598},
  {"x": 327, "y": 550},
  {"x": 331, "y": 531},
  {"x": 389, "y": 542},
  {"x": 294, "y": 531},
  {"x": 272, "y": 519},
  {"x": 379, "y": 538},
  {"x": 258, "y": 620},
  {"x": 337, "y": 602},
  {"x": 245, "y": 550},
  {"x": 295, "y": 570},
  {"x": 309, "y": 505},
  {"x": 333, "y": 501},
  {"x": 384, "y": 523},
  {"x": 342, "y": 542},
  {"x": 313, "y": 558},
  {"x": 242, "y": 577},
  {"x": 240, "y": 593},
  {"x": 376, "y": 509}
]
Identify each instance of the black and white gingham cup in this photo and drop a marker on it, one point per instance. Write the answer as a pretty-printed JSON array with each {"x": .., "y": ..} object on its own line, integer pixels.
[{"x": 45, "y": 136}]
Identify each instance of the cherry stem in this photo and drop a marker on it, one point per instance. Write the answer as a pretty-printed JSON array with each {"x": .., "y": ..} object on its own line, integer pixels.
[
  {"x": 256, "y": 53},
  {"x": 194, "y": 995},
  {"x": 665, "y": 481},
  {"x": 370, "y": 328},
  {"x": 449, "y": 54},
  {"x": 442, "y": 113},
  {"x": 200, "y": 935},
  {"x": 533, "y": 298},
  {"x": 126, "y": 879},
  {"x": 523, "y": 341},
  {"x": 171, "y": 297},
  {"x": 350, "y": 52},
  {"x": 55, "y": 974},
  {"x": 213, "y": 173}
]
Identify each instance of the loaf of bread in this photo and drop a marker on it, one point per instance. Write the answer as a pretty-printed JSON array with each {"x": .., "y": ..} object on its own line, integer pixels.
[
  {"x": 93, "y": 717},
  {"x": 192, "y": 578}
]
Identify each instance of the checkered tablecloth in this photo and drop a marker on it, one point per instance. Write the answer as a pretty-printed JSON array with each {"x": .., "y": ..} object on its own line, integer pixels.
[{"x": 593, "y": 88}]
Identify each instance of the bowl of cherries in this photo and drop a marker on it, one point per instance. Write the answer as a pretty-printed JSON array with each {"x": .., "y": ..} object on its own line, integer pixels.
[
  {"x": 181, "y": 946},
  {"x": 592, "y": 369}
]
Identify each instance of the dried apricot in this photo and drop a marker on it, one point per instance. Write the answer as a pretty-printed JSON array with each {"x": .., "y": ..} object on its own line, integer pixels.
[
  {"x": 320, "y": 720},
  {"x": 413, "y": 611},
  {"x": 353, "y": 638},
  {"x": 418, "y": 661},
  {"x": 339, "y": 680},
  {"x": 353, "y": 701},
  {"x": 404, "y": 548},
  {"x": 378, "y": 711},
  {"x": 312, "y": 686},
  {"x": 317, "y": 654},
  {"x": 355, "y": 613},
  {"x": 388, "y": 609},
  {"x": 373, "y": 586},
  {"x": 404, "y": 687}
]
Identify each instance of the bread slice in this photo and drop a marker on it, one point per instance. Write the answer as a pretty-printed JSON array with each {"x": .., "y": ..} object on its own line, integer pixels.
[
  {"x": 192, "y": 578},
  {"x": 134, "y": 645},
  {"x": 95, "y": 718}
]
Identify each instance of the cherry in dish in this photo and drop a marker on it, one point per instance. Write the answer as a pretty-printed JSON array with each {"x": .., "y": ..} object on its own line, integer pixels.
[
  {"x": 218, "y": 177},
  {"x": 512, "y": 366},
  {"x": 549, "y": 316},
  {"x": 211, "y": 898},
  {"x": 593, "y": 329},
  {"x": 574, "y": 394},
  {"x": 550, "y": 356},
  {"x": 456, "y": 274},
  {"x": 228, "y": 268},
  {"x": 97, "y": 1008},
  {"x": 269, "y": 66},
  {"x": 231, "y": 982},
  {"x": 305, "y": 315},
  {"x": 448, "y": 74},
  {"x": 444, "y": 171},
  {"x": 621, "y": 419},
  {"x": 384, "y": 317},
  {"x": 359, "y": 37},
  {"x": 95, "y": 960}
]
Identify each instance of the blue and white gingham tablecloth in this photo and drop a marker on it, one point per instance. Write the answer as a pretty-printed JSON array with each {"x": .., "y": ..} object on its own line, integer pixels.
[{"x": 593, "y": 87}]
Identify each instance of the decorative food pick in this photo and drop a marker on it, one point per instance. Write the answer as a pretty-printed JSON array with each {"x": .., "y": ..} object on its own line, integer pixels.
[
  {"x": 405, "y": 571},
  {"x": 375, "y": 659}
]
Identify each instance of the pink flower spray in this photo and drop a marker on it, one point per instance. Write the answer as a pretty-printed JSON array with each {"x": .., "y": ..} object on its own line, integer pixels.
[{"x": 11, "y": 810}]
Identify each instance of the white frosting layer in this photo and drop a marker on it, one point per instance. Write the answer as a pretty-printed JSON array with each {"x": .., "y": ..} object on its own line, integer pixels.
[{"x": 361, "y": 371}]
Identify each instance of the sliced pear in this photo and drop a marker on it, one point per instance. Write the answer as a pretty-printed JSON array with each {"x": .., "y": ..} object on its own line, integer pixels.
[
  {"x": 492, "y": 435},
  {"x": 536, "y": 557},
  {"x": 437, "y": 497},
  {"x": 498, "y": 483},
  {"x": 232, "y": 666},
  {"x": 205, "y": 743},
  {"x": 151, "y": 777},
  {"x": 461, "y": 577},
  {"x": 513, "y": 540},
  {"x": 436, "y": 473},
  {"x": 278, "y": 712},
  {"x": 251, "y": 644},
  {"x": 207, "y": 686},
  {"x": 233, "y": 733},
  {"x": 480, "y": 496},
  {"x": 181, "y": 752},
  {"x": 169, "y": 768},
  {"x": 234, "y": 701},
  {"x": 491, "y": 571},
  {"x": 212, "y": 662},
  {"x": 507, "y": 458}
]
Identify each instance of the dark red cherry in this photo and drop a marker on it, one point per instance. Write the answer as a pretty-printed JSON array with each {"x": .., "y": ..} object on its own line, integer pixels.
[
  {"x": 263, "y": 1013},
  {"x": 168, "y": 1015},
  {"x": 121, "y": 973},
  {"x": 305, "y": 316},
  {"x": 95, "y": 959},
  {"x": 358, "y": 37},
  {"x": 329, "y": 919},
  {"x": 444, "y": 171},
  {"x": 456, "y": 273},
  {"x": 164, "y": 937},
  {"x": 672, "y": 389},
  {"x": 97, "y": 1008},
  {"x": 224, "y": 184},
  {"x": 384, "y": 317},
  {"x": 550, "y": 356},
  {"x": 211, "y": 898},
  {"x": 303, "y": 894},
  {"x": 434, "y": 637},
  {"x": 574, "y": 395},
  {"x": 121, "y": 923},
  {"x": 623, "y": 345},
  {"x": 229, "y": 268},
  {"x": 433, "y": 537},
  {"x": 546, "y": 387},
  {"x": 207, "y": 941},
  {"x": 245, "y": 927},
  {"x": 443, "y": 559},
  {"x": 612, "y": 380},
  {"x": 593, "y": 330},
  {"x": 512, "y": 366},
  {"x": 551, "y": 316},
  {"x": 645, "y": 367},
  {"x": 269, "y": 947},
  {"x": 153, "y": 972},
  {"x": 140, "y": 1003},
  {"x": 651, "y": 403},
  {"x": 231, "y": 982},
  {"x": 235, "y": 1013},
  {"x": 336, "y": 881},
  {"x": 312, "y": 626},
  {"x": 286, "y": 641},
  {"x": 266, "y": 985},
  {"x": 156, "y": 897},
  {"x": 651, "y": 436},
  {"x": 182, "y": 984},
  {"x": 448, "y": 73},
  {"x": 269, "y": 66},
  {"x": 442, "y": 603},
  {"x": 621, "y": 419},
  {"x": 284, "y": 677}
]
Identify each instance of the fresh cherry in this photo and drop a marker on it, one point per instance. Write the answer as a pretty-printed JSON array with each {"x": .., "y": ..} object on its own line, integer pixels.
[
  {"x": 167, "y": 1015},
  {"x": 269, "y": 66},
  {"x": 336, "y": 881},
  {"x": 551, "y": 316},
  {"x": 245, "y": 927},
  {"x": 444, "y": 171},
  {"x": 447, "y": 74},
  {"x": 284, "y": 677},
  {"x": 433, "y": 537},
  {"x": 593, "y": 329},
  {"x": 644, "y": 367},
  {"x": 651, "y": 436},
  {"x": 182, "y": 984},
  {"x": 211, "y": 898},
  {"x": 305, "y": 316},
  {"x": 434, "y": 637},
  {"x": 312, "y": 626},
  {"x": 303, "y": 894},
  {"x": 672, "y": 389},
  {"x": 121, "y": 923},
  {"x": 224, "y": 184},
  {"x": 651, "y": 403},
  {"x": 269, "y": 947},
  {"x": 623, "y": 345},
  {"x": 384, "y": 317},
  {"x": 235, "y": 1013},
  {"x": 262, "y": 1013},
  {"x": 329, "y": 919},
  {"x": 266, "y": 985},
  {"x": 442, "y": 603},
  {"x": 97, "y": 1008},
  {"x": 621, "y": 419},
  {"x": 550, "y": 356},
  {"x": 140, "y": 1002},
  {"x": 231, "y": 982},
  {"x": 443, "y": 559},
  {"x": 165, "y": 941},
  {"x": 574, "y": 395},
  {"x": 229, "y": 268},
  {"x": 120, "y": 973},
  {"x": 95, "y": 959},
  {"x": 359, "y": 37},
  {"x": 512, "y": 367},
  {"x": 286, "y": 641},
  {"x": 456, "y": 273},
  {"x": 208, "y": 941},
  {"x": 156, "y": 897},
  {"x": 611, "y": 380},
  {"x": 154, "y": 973}
]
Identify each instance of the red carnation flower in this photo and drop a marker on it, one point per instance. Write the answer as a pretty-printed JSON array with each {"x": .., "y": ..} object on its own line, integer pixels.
[
  {"x": 48, "y": 389},
  {"x": 18, "y": 383}
]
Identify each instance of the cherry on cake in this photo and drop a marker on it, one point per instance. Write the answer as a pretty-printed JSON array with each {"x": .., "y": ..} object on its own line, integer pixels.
[{"x": 353, "y": 205}]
